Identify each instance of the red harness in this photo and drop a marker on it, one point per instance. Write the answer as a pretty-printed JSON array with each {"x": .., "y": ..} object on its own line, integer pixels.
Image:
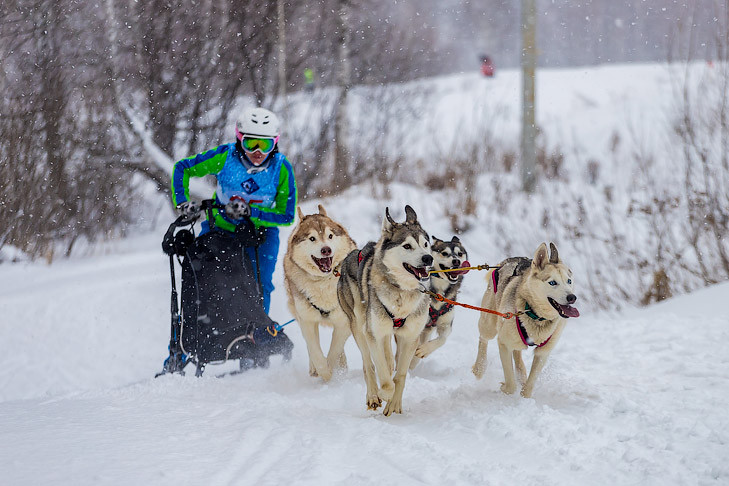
[
  {"x": 525, "y": 337},
  {"x": 435, "y": 314},
  {"x": 519, "y": 326}
]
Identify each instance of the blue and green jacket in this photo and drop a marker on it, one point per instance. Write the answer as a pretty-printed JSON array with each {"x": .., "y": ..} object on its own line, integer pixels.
[{"x": 271, "y": 192}]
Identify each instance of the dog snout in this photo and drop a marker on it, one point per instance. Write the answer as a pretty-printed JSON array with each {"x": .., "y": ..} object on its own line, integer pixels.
[
  {"x": 326, "y": 251},
  {"x": 455, "y": 263},
  {"x": 427, "y": 260},
  {"x": 571, "y": 298}
]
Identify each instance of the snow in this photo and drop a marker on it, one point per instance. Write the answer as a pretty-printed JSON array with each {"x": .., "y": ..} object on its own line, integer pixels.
[
  {"x": 637, "y": 397},
  {"x": 630, "y": 397}
]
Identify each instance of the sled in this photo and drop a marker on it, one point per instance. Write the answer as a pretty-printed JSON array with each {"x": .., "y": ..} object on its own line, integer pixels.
[{"x": 219, "y": 314}]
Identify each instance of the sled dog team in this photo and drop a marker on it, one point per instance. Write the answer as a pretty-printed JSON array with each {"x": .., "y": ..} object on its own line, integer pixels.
[{"x": 377, "y": 293}]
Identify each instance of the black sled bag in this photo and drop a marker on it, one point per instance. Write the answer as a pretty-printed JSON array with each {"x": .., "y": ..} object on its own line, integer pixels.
[{"x": 221, "y": 300}]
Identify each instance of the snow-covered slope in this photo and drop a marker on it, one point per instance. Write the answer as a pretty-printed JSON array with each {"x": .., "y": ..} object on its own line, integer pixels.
[{"x": 632, "y": 398}]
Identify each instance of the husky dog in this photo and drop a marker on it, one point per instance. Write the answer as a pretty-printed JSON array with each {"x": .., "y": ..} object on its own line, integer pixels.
[
  {"x": 541, "y": 288},
  {"x": 446, "y": 255},
  {"x": 315, "y": 251},
  {"x": 380, "y": 291}
]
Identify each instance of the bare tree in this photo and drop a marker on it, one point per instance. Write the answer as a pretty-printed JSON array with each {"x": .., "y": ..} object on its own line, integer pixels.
[
  {"x": 49, "y": 195},
  {"x": 178, "y": 69}
]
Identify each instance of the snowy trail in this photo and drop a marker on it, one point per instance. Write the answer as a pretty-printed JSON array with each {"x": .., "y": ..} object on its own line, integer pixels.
[{"x": 646, "y": 404}]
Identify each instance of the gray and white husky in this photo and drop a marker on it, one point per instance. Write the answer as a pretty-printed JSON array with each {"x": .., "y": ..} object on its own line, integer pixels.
[
  {"x": 447, "y": 255},
  {"x": 380, "y": 292},
  {"x": 541, "y": 288}
]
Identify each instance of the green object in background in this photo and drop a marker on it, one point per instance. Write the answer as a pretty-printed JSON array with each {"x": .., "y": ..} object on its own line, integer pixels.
[{"x": 309, "y": 77}]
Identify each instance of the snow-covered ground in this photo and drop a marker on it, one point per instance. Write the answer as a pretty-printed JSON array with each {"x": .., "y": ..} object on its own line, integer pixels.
[{"x": 637, "y": 397}]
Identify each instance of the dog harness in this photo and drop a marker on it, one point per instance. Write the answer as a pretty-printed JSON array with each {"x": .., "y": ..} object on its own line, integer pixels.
[
  {"x": 522, "y": 330},
  {"x": 321, "y": 311},
  {"x": 435, "y": 314},
  {"x": 395, "y": 322}
]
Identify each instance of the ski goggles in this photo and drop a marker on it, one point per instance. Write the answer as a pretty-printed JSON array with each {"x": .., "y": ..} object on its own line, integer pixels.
[{"x": 262, "y": 144}]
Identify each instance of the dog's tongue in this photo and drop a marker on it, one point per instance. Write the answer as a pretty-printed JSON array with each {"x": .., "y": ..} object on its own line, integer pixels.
[
  {"x": 569, "y": 311},
  {"x": 325, "y": 264},
  {"x": 465, "y": 264}
]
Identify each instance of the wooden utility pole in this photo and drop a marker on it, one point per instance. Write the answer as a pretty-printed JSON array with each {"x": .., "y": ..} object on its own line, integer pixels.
[
  {"x": 528, "y": 68},
  {"x": 282, "y": 57},
  {"x": 344, "y": 82}
]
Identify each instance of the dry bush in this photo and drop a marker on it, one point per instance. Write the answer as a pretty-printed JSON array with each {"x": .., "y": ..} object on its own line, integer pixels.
[
  {"x": 593, "y": 171},
  {"x": 659, "y": 290},
  {"x": 508, "y": 160},
  {"x": 441, "y": 182},
  {"x": 550, "y": 162}
]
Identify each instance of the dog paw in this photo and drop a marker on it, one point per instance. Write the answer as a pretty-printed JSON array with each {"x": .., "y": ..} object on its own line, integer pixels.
[
  {"x": 393, "y": 406},
  {"x": 509, "y": 390},
  {"x": 526, "y": 393},
  {"x": 373, "y": 402},
  {"x": 387, "y": 390},
  {"x": 423, "y": 352},
  {"x": 478, "y": 371},
  {"x": 326, "y": 374}
]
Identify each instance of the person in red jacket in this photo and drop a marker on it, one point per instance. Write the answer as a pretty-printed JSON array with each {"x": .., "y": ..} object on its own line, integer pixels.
[{"x": 487, "y": 67}]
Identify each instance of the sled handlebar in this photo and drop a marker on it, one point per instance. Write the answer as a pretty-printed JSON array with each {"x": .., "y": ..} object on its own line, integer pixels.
[
  {"x": 168, "y": 241},
  {"x": 237, "y": 208}
]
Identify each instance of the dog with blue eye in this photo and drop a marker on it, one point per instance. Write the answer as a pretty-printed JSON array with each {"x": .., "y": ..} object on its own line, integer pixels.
[{"x": 540, "y": 292}]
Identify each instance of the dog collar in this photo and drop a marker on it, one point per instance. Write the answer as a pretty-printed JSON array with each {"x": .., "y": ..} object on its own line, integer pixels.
[
  {"x": 321, "y": 311},
  {"x": 531, "y": 314},
  {"x": 525, "y": 337},
  {"x": 435, "y": 314}
]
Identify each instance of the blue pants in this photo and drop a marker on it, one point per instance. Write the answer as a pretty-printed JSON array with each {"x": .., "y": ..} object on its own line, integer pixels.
[{"x": 267, "y": 254}]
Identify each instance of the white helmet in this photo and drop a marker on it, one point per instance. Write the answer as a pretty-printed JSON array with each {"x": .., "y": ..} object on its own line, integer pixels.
[{"x": 257, "y": 121}]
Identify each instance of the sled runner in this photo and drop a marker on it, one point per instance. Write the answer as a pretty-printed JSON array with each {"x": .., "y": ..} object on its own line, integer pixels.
[{"x": 220, "y": 314}]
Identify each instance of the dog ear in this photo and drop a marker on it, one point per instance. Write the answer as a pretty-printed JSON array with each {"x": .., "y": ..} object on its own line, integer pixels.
[
  {"x": 301, "y": 214},
  {"x": 553, "y": 255},
  {"x": 322, "y": 211},
  {"x": 540, "y": 257},
  {"x": 435, "y": 239},
  {"x": 410, "y": 216},
  {"x": 388, "y": 223},
  {"x": 455, "y": 239}
]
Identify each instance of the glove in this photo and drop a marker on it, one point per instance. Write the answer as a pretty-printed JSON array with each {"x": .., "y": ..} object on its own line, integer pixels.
[
  {"x": 189, "y": 209},
  {"x": 237, "y": 208}
]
